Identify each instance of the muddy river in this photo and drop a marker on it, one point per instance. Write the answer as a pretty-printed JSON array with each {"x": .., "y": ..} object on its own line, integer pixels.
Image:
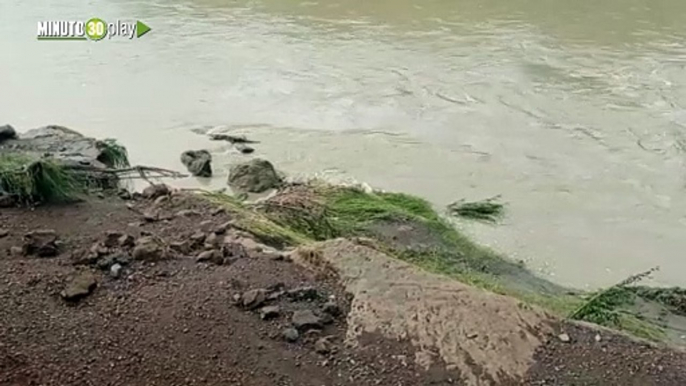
[{"x": 573, "y": 111}]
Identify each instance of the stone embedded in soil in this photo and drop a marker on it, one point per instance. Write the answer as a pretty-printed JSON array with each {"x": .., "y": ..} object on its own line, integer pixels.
[
  {"x": 112, "y": 239},
  {"x": 254, "y": 298},
  {"x": 197, "y": 239},
  {"x": 151, "y": 216},
  {"x": 16, "y": 251},
  {"x": 564, "y": 338},
  {"x": 79, "y": 287},
  {"x": 331, "y": 308},
  {"x": 206, "y": 225},
  {"x": 188, "y": 213},
  {"x": 290, "y": 335},
  {"x": 304, "y": 320},
  {"x": 4, "y": 233},
  {"x": 234, "y": 251},
  {"x": 182, "y": 247},
  {"x": 162, "y": 199},
  {"x": 212, "y": 256},
  {"x": 126, "y": 241},
  {"x": 124, "y": 194},
  {"x": 322, "y": 346},
  {"x": 148, "y": 249},
  {"x": 221, "y": 229},
  {"x": 42, "y": 243},
  {"x": 270, "y": 312},
  {"x": 115, "y": 270},
  {"x": 218, "y": 211},
  {"x": 212, "y": 241},
  {"x": 304, "y": 293},
  {"x": 157, "y": 190}
]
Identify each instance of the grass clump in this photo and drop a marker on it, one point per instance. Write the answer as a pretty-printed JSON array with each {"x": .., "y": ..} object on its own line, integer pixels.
[
  {"x": 112, "y": 154},
  {"x": 30, "y": 180},
  {"x": 489, "y": 210}
]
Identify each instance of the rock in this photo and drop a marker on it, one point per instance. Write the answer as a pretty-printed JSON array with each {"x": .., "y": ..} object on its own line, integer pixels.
[
  {"x": 99, "y": 249},
  {"x": 254, "y": 176},
  {"x": 303, "y": 293},
  {"x": 126, "y": 241},
  {"x": 206, "y": 225},
  {"x": 331, "y": 308},
  {"x": 115, "y": 270},
  {"x": 244, "y": 149},
  {"x": 42, "y": 243},
  {"x": 234, "y": 251},
  {"x": 156, "y": 190},
  {"x": 4, "y": 233},
  {"x": 598, "y": 338},
  {"x": 270, "y": 312},
  {"x": 16, "y": 251},
  {"x": 182, "y": 247},
  {"x": 151, "y": 216},
  {"x": 79, "y": 287},
  {"x": 161, "y": 199},
  {"x": 306, "y": 320},
  {"x": 112, "y": 239},
  {"x": 290, "y": 335},
  {"x": 198, "y": 162},
  {"x": 147, "y": 249},
  {"x": 564, "y": 338},
  {"x": 254, "y": 298},
  {"x": 124, "y": 194},
  {"x": 218, "y": 211},
  {"x": 188, "y": 213},
  {"x": 326, "y": 319},
  {"x": 322, "y": 346},
  {"x": 106, "y": 262},
  {"x": 212, "y": 256},
  {"x": 7, "y": 132},
  {"x": 221, "y": 229},
  {"x": 212, "y": 241},
  {"x": 197, "y": 240}
]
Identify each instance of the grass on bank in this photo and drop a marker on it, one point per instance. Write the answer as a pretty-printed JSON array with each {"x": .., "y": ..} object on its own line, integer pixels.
[
  {"x": 488, "y": 210},
  {"x": 113, "y": 154},
  {"x": 31, "y": 180}
]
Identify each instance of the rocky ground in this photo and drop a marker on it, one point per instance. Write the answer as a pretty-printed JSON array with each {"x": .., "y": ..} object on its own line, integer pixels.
[{"x": 161, "y": 289}]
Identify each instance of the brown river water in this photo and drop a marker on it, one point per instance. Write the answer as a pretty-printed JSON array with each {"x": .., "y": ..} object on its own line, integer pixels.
[{"x": 573, "y": 111}]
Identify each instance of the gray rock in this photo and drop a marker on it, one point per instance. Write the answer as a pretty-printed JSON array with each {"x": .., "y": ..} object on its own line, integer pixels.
[
  {"x": 244, "y": 149},
  {"x": 7, "y": 132},
  {"x": 304, "y": 293},
  {"x": 234, "y": 251},
  {"x": 290, "y": 335},
  {"x": 148, "y": 249},
  {"x": 154, "y": 191},
  {"x": 254, "y": 176},
  {"x": 212, "y": 256},
  {"x": 188, "y": 213},
  {"x": 79, "y": 287},
  {"x": 198, "y": 162},
  {"x": 16, "y": 251},
  {"x": 254, "y": 298},
  {"x": 42, "y": 243},
  {"x": 322, "y": 346},
  {"x": 182, "y": 247},
  {"x": 126, "y": 241},
  {"x": 331, "y": 308},
  {"x": 115, "y": 270},
  {"x": 4, "y": 233},
  {"x": 305, "y": 320},
  {"x": 270, "y": 312},
  {"x": 112, "y": 239},
  {"x": 564, "y": 338}
]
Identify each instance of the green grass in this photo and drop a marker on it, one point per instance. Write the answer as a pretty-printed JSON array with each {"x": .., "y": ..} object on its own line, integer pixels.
[
  {"x": 30, "y": 180},
  {"x": 488, "y": 210},
  {"x": 112, "y": 154}
]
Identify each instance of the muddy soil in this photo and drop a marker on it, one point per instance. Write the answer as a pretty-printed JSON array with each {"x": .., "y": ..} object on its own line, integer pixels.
[{"x": 169, "y": 317}]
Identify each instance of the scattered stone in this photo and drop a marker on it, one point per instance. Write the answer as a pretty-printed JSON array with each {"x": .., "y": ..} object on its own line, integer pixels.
[
  {"x": 42, "y": 243},
  {"x": 188, "y": 213},
  {"x": 182, "y": 247},
  {"x": 106, "y": 262},
  {"x": 161, "y": 199},
  {"x": 305, "y": 320},
  {"x": 151, "y": 216},
  {"x": 198, "y": 162},
  {"x": 322, "y": 346},
  {"x": 124, "y": 194},
  {"x": 234, "y": 251},
  {"x": 99, "y": 249},
  {"x": 206, "y": 225},
  {"x": 16, "y": 251},
  {"x": 212, "y": 241},
  {"x": 331, "y": 308},
  {"x": 254, "y": 298},
  {"x": 303, "y": 293},
  {"x": 79, "y": 287},
  {"x": 4, "y": 233},
  {"x": 290, "y": 335},
  {"x": 112, "y": 239},
  {"x": 197, "y": 240},
  {"x": 598, "y": 338},
  {"x": 148, "y": 249},
  {"x": 7, "y": 132},
  {"x": 564, "y": 338},
  {"x": 254, "y": 176},
  {"x": 126, "y": 241},
  {"x": 212, "y": 256},
  {"x": 221, "y": 229},
  {"x": 115, "y": 270},
  {"x": 327, "y": 319},
  {"x": 157, "y": 190},
  {"x": 270, "y": 312},
  {"x": 218, "y": 211}
]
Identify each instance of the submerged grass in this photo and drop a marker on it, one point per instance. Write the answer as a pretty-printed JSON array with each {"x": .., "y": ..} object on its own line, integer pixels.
[
  {"x": 29, "y": 180},
  {"x": 488, "y": 210},
  {"x": 112, "y": 154}
]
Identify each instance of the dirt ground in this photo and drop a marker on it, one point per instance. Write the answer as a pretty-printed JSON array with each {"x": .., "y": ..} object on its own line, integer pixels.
[{"x": 164, "y": 318}]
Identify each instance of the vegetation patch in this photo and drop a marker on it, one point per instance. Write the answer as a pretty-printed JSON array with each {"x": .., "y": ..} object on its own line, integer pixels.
[
  {"x": 112, "y": 154},
  {"x": 489, "y": 210},
  {"x": 30, "y": 180}
]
